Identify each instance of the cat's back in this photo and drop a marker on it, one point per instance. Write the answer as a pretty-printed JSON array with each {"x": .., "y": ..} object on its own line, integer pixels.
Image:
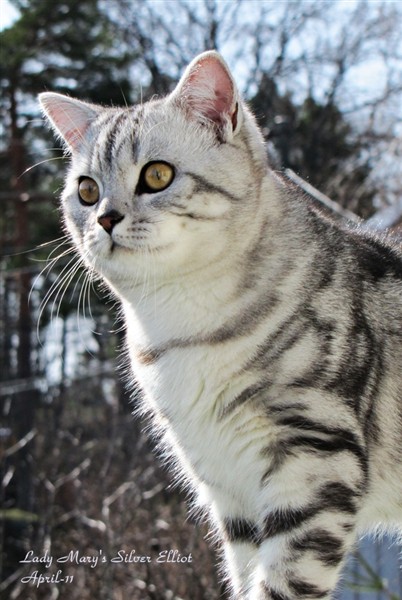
[
  {"x": 364, "y": 272},
  {"x": 365, "y": 263},
  {"x": 379, "y": 259},
  {"x": 378, "y": 279}
]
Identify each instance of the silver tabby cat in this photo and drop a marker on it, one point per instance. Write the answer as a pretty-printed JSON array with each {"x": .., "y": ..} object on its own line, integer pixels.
[{"x": 267, "y": 339}]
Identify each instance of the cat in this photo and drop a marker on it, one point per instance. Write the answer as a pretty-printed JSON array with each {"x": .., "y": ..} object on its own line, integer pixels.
[{"x": 266, "y": 338}]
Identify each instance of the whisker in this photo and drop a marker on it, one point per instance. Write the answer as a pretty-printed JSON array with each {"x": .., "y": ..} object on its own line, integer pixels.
[
  {"x": 84, "y": 297},
  {"x": 63, "y": 289},
  {"x": 124, "y": 98},
  {"x": 55, "y": 285},
  {"x": 81, "y": 302},
  {"x": 31, "y": 250},
  {"x": 44, "y": 244},
  {"x": 41, "y": 162},
  {"x": 90, "y": 288},
  {"x": 50, "y": 291},
  {"x": 48, "y": 266}
]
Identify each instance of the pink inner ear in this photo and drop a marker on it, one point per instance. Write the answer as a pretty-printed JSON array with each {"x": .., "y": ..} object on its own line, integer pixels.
[
  {"x": 72, "y": 123},
  {"x": 210, "y": 90},
  {"x": 74, "y": 136},
  {"x": 69, "y": 117}
]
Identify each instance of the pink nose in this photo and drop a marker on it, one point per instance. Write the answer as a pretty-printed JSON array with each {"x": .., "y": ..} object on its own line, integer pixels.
[{"x": 109, "y": 220}]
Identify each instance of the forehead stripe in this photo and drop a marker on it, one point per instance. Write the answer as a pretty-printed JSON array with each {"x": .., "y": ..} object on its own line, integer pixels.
[{"x": 112, "y": 136}]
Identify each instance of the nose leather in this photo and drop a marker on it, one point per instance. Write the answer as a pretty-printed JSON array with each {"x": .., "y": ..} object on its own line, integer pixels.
[{"x": 109, "y": 219}]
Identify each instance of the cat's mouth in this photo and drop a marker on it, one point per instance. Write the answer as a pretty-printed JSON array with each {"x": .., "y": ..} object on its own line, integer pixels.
[
  {"x": 115, "y": 246},
  {"x": 138, "y": 246}
]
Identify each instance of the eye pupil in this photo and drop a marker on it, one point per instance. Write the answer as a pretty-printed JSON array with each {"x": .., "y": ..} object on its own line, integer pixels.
[{"x": 88, "y": 190}]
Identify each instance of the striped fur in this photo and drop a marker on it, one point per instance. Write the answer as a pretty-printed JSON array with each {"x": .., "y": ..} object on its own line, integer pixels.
[{"x": 267, "y": 339}]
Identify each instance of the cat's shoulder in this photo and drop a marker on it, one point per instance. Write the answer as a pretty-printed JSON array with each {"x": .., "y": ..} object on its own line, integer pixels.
[{"x": 378, "y": 253}]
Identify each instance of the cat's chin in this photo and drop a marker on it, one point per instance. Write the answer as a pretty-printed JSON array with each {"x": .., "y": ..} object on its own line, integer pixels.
[
  {"x": 119, "y": 262},
  {"x": 114, "y": 251},
  {"x": 118, "y": 248}
]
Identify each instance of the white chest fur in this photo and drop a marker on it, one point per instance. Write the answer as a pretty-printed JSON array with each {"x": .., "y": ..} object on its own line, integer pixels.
[{"x": 189, "y": 387}]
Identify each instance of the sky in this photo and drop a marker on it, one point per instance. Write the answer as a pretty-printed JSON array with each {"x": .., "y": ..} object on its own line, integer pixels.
[
  {"x": 8, "y": 14},
  {"x": 368, "y": 76}
]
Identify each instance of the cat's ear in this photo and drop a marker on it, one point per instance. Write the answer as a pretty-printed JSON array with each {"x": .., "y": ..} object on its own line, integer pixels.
[
  {"x": 209, "y": 94},
  {"x": 70, "y": 118}
]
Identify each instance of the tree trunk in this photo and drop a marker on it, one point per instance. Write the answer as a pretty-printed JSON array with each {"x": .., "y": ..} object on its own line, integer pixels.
[{"x": 25, "y": 401}]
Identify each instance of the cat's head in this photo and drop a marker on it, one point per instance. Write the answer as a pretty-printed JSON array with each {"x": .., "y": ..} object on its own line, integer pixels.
[{"x": 171, "y": 184}]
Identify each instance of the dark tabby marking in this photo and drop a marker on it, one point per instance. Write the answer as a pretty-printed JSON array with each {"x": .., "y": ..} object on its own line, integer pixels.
[
  {"x": 271, "y": 594},
  {"x": 327, "y": 547},
  {"x": 304, "y": 589},
  {"x": 241, "y": 530}
]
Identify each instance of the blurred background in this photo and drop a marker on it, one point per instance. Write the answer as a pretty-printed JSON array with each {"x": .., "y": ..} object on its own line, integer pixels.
[{"x": 324, "y": 79}]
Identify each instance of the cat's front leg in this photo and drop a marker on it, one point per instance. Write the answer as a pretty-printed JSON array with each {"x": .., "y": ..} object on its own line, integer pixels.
[
  {"x": 239, "y": 535},
  {"x": 295, "y": 547},
  {"x": 240, "y": 547},
  {"x": 303, "y": 547},
  {"x": 287, "y": 566}
]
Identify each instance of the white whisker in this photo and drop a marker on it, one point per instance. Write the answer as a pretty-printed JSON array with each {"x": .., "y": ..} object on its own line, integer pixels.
[
  {"x": 56, "y": 285},
  {"x": 41, "y": 162}
]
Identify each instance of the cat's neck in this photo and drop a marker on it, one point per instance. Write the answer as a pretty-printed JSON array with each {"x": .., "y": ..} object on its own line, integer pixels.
[{"x": 191, "y": 306}]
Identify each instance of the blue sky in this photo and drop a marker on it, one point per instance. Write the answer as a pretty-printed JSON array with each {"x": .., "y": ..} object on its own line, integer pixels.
[{"x": 7, "y": 14}]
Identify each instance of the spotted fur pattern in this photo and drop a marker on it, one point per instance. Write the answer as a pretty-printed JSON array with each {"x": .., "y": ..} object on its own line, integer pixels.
[{"x": 266, "y": 338}]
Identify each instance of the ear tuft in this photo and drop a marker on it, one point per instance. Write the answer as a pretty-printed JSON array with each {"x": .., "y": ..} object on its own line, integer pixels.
[
  {"x": 209, "y": 94},
  {"x": 70, "y": 118}
]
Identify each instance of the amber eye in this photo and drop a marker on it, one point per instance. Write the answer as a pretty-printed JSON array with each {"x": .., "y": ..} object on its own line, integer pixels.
[
  {"x": 88, "y": 190},
  {"x": 156, "y": 176}
]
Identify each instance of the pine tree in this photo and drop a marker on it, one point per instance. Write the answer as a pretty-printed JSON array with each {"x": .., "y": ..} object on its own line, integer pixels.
[{"x": 315, "y": 140}]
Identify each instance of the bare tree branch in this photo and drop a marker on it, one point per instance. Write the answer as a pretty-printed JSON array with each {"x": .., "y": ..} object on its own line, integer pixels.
[{"x": 20, "y": 444}]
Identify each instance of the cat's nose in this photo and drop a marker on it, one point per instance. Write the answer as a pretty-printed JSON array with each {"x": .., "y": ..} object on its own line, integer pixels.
[{"x": 109, "y": 219}]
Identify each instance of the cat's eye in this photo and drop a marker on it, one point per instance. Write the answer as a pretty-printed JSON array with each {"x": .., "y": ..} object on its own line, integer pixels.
[
  {"x": 155, "y": 177},
  {"x": 88, "y": 190}
]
